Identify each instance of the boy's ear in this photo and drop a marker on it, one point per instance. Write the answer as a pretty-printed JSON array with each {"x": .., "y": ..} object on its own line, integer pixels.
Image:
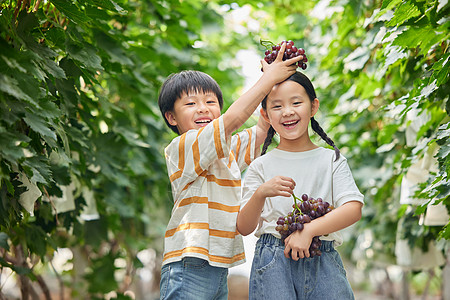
[
  {"x": 264, "y": 115},
  {"x": 170, "y": 118},
  {"x": 315, "y": 107}
]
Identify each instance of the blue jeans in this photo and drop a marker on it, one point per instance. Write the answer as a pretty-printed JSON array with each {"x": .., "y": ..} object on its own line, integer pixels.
[
  {"x": 193, "y": 278},
  {"x": 273, "y": 276}
]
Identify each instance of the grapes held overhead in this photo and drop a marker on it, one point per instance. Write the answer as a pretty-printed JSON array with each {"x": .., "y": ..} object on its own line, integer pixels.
[
  {"x": 308, "y": 210},
  {"x": 290, "y": 51}
]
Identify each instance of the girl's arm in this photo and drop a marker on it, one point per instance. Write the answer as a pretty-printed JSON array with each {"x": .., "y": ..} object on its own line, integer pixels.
[
  {"x": 249, "y": 215},
  {"x": 339, "y": 218}
]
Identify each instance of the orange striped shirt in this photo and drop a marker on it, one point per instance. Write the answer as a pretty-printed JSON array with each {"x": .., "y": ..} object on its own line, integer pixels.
[{"x": 205, "y": 169}]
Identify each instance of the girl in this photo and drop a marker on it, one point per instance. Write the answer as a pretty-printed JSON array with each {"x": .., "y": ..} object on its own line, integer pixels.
[{"x": 297, "y": 166}]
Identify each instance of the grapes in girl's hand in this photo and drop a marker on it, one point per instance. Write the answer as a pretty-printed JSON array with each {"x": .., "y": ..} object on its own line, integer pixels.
[
  {"x": 290, "y": 51},
  {"x": 308, "y": 210}
]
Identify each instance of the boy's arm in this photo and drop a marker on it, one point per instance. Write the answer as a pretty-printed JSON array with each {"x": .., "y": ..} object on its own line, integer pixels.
[
  {"x": 261, "y": 132},
  {"x": 244, "y": 106}
]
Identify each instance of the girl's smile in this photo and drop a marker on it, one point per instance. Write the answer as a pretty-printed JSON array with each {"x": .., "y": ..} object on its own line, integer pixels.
[
  {"x": 290, "y": 124},
  {"x": 289, "y": 111}
]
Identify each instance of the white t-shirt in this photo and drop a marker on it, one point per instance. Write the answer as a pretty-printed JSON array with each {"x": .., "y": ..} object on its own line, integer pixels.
[
  {"x": 205, "y": 173},
  {"x": 315, "y": 173}
]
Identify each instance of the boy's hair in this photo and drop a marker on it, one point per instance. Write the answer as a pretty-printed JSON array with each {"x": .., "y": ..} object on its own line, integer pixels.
[
  {"x": 304, "y": 81},
  {"x": 185, "y": 82}
]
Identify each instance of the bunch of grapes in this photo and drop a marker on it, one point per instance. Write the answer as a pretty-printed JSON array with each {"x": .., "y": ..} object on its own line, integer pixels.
[
  {"x": 308, "y": 210},
  {"x": 290, "y": 51}
]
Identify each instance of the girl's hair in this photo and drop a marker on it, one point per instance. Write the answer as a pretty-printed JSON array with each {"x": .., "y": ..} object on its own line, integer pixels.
[
  {"x": 185, "y": 82},
  {"x": 304, "y": 81}
]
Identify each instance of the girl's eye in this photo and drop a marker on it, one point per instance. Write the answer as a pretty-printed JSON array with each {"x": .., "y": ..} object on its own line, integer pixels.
[
  {"x": 276, "y": 106},
  {"x": 190, "y": 103},
  {"x": 211, "y": 102},
  {"x": 297, "y": 103}
]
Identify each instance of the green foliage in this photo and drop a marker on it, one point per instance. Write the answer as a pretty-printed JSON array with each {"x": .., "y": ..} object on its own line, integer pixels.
[
  {"x": 82, "y": 161},
  {"x": 82, "y": 139},
  {"x": 381, "y": 74}
]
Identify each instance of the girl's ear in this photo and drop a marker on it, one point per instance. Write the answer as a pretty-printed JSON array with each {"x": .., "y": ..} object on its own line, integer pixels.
[
  {"x": 264, "y": 115},
  {"x": 170, "y": 118},
  {"x": 315, "y": 107}
]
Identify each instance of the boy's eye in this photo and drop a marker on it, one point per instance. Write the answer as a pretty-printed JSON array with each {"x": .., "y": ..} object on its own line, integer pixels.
[
  {"x": 190, "y": 103},
  {"x": 276, "y": 106},
  {"x": 297, "y": 102},
  {"x": 211, "y": 101}
]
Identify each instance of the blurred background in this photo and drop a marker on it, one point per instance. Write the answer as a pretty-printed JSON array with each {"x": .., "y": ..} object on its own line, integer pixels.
[{"x": 85, "y": 196}]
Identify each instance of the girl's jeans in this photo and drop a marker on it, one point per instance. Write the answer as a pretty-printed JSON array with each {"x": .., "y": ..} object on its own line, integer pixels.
[
  {"x": 193, "y": 279},
  {"x": 273, "y": 276}
]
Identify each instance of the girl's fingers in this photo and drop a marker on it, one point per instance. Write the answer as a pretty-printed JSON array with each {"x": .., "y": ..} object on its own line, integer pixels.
[
  {"x": 294, "y": 255},
  {"x": 285, "y": 194},
  {"x": 287, "y": 179},
  {"x": 288, "y": 185},
  {"x": 286, "y": 251}
]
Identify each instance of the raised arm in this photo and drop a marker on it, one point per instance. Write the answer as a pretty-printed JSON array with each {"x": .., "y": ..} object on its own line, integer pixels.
[
  {"x": 261, "y": 133},
  {"x": 245, "y": 105}
]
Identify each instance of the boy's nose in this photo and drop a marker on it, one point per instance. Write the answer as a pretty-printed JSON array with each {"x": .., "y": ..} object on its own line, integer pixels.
[{"x": 202, "y": 108}]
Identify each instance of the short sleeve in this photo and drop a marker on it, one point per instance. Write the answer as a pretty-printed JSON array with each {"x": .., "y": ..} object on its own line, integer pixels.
[
  {"x": 253, "y": 178},
  {"x": 344, "y": 186},
  {"x": 190, "y": 154},
  {"x": 243, "y": 147}
]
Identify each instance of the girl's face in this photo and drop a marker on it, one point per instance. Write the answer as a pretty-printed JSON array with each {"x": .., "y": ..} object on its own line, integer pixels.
[{"x": 289, "y": 110}]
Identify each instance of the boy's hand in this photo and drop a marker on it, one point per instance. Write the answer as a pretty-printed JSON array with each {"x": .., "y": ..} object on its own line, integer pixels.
[
  {"x": 298, "y": 244},
  {"x": 279, "y": 70},
  {"x": 277, "y": 186}
]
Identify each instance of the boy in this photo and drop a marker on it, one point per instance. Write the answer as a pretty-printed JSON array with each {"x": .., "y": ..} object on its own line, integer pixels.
[{"x": 204, "y": 165}]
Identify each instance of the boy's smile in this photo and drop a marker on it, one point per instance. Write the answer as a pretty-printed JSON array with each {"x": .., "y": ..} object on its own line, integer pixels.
[
  {"x": 194, "y": 111},
  {"x": 202, "y": 122}
]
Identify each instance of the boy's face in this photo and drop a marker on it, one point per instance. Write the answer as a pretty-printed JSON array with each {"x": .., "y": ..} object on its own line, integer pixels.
[{"x": 193, "y": 111}]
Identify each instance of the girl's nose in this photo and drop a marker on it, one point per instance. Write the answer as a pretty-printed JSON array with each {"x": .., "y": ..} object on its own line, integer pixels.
[{"x": 288, "y": 111}]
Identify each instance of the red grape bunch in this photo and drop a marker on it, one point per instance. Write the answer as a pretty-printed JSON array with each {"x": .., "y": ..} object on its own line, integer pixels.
[
  {"x": 290, "y": 51},
  {"x": 308, "y": 210}
]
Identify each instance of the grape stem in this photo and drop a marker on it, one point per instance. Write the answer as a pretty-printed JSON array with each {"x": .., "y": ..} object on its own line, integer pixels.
[
  {"x": 295, "y": 203},
  {"x": 266, "y": 43}
]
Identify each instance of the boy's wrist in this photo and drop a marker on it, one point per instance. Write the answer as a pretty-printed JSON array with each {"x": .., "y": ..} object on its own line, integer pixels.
[{"x": 269, "y": 78}]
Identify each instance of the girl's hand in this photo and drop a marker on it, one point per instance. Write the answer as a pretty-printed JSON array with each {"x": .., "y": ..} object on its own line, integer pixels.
[
  {"x": 277, "y": 186},
  {"x": 298, "y": 244},
  {"x": 280, "y": 70}
]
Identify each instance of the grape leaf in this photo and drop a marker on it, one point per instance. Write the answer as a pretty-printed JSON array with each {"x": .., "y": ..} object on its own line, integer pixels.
[
  {"x": 403, "y": 12},
  {"x": 39, "y": 125},
  {"x": 71, "y": 11},
  {"x": 85, "y": 54},
  {"x": 10, "y": 86}
]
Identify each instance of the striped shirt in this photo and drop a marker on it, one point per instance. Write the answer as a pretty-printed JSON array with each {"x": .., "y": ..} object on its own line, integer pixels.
[{"x": 205, "y": 173}]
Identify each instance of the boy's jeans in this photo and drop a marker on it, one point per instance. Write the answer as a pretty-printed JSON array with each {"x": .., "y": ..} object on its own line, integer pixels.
[
  {"x": 193, "y": 278},
  {"x": 273, "y": 276}
]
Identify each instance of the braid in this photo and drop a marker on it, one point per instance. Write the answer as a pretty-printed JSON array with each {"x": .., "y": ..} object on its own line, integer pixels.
[
  {"x": 316, "y": 127},
  {"x": 268, "y": 140}
]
